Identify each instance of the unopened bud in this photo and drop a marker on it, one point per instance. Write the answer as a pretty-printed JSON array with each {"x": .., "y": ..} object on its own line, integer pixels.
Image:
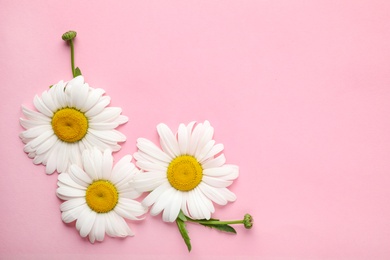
[
  {"x": 69, "y": 35},
  {"x": 248, "y": 221}
]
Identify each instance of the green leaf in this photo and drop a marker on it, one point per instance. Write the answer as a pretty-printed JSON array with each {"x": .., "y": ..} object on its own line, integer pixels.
[
  {"x": 184, "y": 233},
  {"x": 77, "y": 72},
  {"x": 223, "y": 227},
  {"x": 182, "y": 216}
]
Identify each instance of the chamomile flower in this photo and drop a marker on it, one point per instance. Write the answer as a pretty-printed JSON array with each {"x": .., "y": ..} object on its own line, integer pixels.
[
  {"x": 188, "y": 174},
  {"x": 99, "y": 196},
  {"x": 70, "y": 118}
]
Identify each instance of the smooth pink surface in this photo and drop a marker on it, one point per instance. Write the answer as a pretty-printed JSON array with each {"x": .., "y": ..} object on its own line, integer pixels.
[{"x": 298, "y": 92}]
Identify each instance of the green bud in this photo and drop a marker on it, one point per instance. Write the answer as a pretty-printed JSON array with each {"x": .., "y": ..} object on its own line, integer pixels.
[
  {"x": 69, "y": 35},
  {"x": 248, "y": 221}
]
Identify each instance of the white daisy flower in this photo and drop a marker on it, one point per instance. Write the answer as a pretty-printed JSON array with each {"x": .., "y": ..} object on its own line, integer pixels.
[
  {"x": 188, "y": 174},
  {"x": 71, "y": 117},
  {"x": 99, "y": 196}
]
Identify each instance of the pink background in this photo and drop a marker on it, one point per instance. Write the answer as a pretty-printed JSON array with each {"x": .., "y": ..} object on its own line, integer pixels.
[{"x": 298, "y": 92}]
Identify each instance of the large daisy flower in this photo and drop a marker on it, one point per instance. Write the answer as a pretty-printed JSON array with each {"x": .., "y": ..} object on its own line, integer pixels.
[
  {"x": 99, "y": 196},
  {"x": 71, "y": 117},
  {"x": 187, "y": 174}
]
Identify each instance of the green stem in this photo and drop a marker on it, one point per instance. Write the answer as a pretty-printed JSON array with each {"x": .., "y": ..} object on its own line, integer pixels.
[
  {"x": 72, "y": 57},
  {"x": 68, "y": 37},
  {"x": 216, "y": 222}
]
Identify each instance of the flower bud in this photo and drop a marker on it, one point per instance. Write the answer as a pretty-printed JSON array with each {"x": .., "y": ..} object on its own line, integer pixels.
[
  {"x": 248, "y": 221},
  {"x": 69, "y": 35}
]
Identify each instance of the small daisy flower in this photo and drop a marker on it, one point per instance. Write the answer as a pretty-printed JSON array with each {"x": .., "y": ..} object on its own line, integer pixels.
[
  {"x": 187, "y": 174},
  {"x": 99, "y": 196},
  {"x": 70, "y": 117}
]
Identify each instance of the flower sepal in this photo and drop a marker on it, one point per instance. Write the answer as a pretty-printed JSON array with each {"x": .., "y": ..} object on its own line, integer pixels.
[{"x": 77, "y": 72}]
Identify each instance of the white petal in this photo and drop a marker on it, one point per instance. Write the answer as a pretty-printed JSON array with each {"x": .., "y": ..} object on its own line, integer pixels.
[
  {"x": 234, "y": 174},
  {"x": 190, "y": 127},
  {"x": 51, "y": 164},
  {"x": 121, "y": 119},
  {"x": 107, "y": 115},
  {"x": 194, "y": 139},
  {"x": 89, "y": 141},
  {"x": 182, "y": 137},
  {"x": 79, "y": 176},
  {"x": 35, "y": 116},
  {"x": 148, "y": 181},
  {"x": 162, "y": 203},
  {"x": 40, "y": 139},
  {"x": 109, "y": 227},
  {"x": 192, "y": 204},
  {"x": 151, "y": 149},
  {"x": 108, "y": 135},
  {"x": 87, "y": 224},
  {"x": 47, "y": 144},
  {"x": 147, "y": 166},
  {"x": 60, "y": 95},
  {"x": 31, "y": 123},
  {"x": 170, "y": 213},
  {"x": 41, "y": 158},
  {"x": 66, "y": 192},
  {"x": 122, "y": 163},
  {"x": 155, "y": 194},
  {"x": 120, "y": 227},
  {"x": 49, "y": 101},
  {"x": 72, "y": 204},
  {"x": 93, "y": 98},
  {"x": 213, "y": 194},
  {"x": 203, "y": 204},
  {"x": 131, "y": 194},
  {"x": 67, "y": 180},
  {"x": 168, "y": 141},
  {"x": 230, "y": 196},
  {"x": 37, "y": 131},
  {"x": 141, "y": 156},
  {"x": 97, "y": 158},
  {"x": 75, "y": 154},
  {"x": 123, "y": 175},
  {"x": 98, "y": 229},
  {"x": 184, "y": 197},
  {"x": 63, "y": 157},
  {"x": 41, "y": 107},
  {"x": 129, "y": 209},
  {"x": 80, "y": 96},
  {"x": 72, "y": 214},
  {"x": 216, "y": 182},
  {"x": 206, "y": 201},
  {"x": 202, "y": 153},
  {"x": 77, "y": 81},
  {"x": 103, "y": 126},
  {"x": 98, "y": 107},
  {"x": 205, "y": 137},
  {"x": 107, "y": 165},
  {"x": 89, "y": 164},
  {"x": 214, "y": 162},
  {"x": 211, "y": 153},
  {"x": 218, "y": 171}
]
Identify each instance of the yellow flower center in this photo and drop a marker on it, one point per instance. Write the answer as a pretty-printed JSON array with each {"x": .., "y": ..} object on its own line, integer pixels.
[
  {"x": 101, "y": 196},
  {"x": 69, "y": 124},
  {"x": 184, "y": 173}
]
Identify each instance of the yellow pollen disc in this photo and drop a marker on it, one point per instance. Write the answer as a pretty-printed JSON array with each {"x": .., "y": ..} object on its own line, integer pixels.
[
  {"x": 69, "y": 124},
  {"x": 101, "y": 196},
  {"x": 184, "y": 173}
]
